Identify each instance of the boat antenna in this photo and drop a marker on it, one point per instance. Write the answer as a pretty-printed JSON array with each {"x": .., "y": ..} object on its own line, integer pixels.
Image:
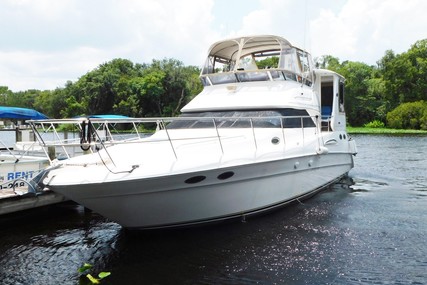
[
  {"x": 305, "y": 25},
  {"x": 304, "y": 47}
]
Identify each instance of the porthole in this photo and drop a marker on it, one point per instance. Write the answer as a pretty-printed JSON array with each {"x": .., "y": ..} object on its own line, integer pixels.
[
  {"x": 275, "y": 140},
  {"x": 195, "y": 179},
  {"x": 225, "y": 175}
]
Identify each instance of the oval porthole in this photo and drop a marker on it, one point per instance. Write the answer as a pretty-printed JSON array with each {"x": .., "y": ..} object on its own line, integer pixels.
[
  {"x": 275, "y": 140},
  {"x": 225, "y": 175},
  {"x": 195, "y": 179}
]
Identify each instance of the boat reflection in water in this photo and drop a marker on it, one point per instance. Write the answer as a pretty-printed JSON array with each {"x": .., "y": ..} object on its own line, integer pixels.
[{"x": 257, "y": 137}]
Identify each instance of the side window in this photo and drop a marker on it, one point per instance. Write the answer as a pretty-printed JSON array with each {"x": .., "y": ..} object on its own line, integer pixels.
[
  {"x": 247, "y": 63},
  {"x": 305, "y": 64}
]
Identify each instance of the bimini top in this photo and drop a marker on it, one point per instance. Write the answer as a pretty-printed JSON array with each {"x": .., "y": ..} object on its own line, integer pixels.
[
  {"x": 248, "y": 59},
  {"x": 20, "y": 113}
]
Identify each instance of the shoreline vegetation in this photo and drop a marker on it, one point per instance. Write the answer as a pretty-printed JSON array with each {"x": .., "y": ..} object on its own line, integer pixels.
[{"x": 384, "y": 131}]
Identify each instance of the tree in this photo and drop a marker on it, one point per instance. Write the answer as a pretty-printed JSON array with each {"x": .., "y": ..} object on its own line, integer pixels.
[
  {"x": 405, "y": 75},
  {"x": 4, "y": 94},
  {"x": 411, "y": 115},
  {"x": 327, "y": 62},
  {"x": 121, "y": 87}
]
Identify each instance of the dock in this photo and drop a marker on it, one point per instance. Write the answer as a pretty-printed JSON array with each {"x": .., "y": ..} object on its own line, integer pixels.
[{"x": 11, "y": 202}]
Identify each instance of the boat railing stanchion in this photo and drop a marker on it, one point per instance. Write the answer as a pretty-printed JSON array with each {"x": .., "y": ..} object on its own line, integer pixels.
[
  {"x": 135, "y": 128},
  {"x": 169, "y": 138},
  {"x": 40, "y": 139},
  {"x": 318, "y": 120},
  {"x": 217, "y": 134},
  {"x": 61, "y": 142},
  {"x": 283, "y": 132},
  {"x": 302, "y": 129},
  {"x": 253, "y": 133}
]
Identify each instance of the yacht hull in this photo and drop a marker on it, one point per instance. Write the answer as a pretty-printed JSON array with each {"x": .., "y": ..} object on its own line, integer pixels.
[{"x": 210, "y": 195}]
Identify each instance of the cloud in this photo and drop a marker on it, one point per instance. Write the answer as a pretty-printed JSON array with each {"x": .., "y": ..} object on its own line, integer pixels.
[
  {"x": 47, "y": 42},
  {"x": 68, "y": 38},
  {"x": 363, "y": 29}
]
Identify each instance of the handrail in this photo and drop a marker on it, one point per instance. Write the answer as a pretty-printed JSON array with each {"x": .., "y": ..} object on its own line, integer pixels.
[{"x": 99, "y": 142}]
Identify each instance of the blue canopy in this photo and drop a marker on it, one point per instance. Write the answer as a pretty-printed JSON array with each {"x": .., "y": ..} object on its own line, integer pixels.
[
  {"x": 20, "y": 113},
  {"x": 107, "y": 116}
]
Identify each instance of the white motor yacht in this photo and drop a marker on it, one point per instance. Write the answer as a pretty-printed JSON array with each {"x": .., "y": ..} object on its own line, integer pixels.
[{"x": 266, "y": 130}]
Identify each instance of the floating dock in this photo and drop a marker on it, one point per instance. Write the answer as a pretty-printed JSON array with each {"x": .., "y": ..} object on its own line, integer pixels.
[{"x": 10, "y": 202}]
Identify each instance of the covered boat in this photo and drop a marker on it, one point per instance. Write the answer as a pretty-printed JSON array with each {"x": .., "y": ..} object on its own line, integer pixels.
[
  {"x": 266, "y": 130},
  {"x": 17, "y": 166},
  {"x": 20, "y": 113}
]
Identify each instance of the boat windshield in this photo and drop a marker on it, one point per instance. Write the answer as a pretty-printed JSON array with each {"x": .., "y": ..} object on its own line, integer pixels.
[
  {"x": 273, "y": 65},
  {"x": 253, "y": 59},
  {"x": 286, "y": 118}
]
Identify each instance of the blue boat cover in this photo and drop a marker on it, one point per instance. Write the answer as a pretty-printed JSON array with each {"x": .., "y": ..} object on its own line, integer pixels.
[
  {"x": 20, "y": 113},
  {"x": 107, "y": 116}
]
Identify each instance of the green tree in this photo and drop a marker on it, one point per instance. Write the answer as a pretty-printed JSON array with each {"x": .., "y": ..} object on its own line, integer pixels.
[
  {"x": 137, "y": 90},
  {"x": 405, "y": 75},
  {"x": 269, "y": 62},
  {"x": 4, "y": 94},
  {"x": 411, "y": 115},
  {"x": 327, "y": 62}
]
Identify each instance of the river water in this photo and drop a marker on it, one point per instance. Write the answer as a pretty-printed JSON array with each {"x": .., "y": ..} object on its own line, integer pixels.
[{"x": 372, "y": 232}]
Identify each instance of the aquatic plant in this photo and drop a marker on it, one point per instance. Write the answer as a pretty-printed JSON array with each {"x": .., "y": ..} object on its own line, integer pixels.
[{"x": 89, "y": 276}]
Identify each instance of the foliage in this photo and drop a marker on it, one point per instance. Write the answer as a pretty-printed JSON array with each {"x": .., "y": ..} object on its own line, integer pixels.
[
  {"x": 269, "y": 62},
  {"x": 411, "y": 115},
  {"x": 88, "y": 278},
  {"x": 135, "y": 90},
  {"x": 384, "y": 131},
  {"x": 375, "y": 124},
  {"x": 373, "y": 91},
  {"x": 405, "y": 75},
  {"x": 163, "y": 87}
]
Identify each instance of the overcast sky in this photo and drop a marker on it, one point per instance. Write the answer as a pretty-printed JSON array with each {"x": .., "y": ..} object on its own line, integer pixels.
[{"x": 45, "y": 43}]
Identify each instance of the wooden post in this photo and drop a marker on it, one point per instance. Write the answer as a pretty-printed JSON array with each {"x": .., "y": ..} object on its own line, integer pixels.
[{"x": 51, "y": 152}]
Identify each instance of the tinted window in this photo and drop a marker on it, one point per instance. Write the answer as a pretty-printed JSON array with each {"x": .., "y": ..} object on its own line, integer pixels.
[{"x": 288, "y": 118}]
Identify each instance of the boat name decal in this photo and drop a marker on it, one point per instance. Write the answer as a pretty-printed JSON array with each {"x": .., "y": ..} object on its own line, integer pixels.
[{"x": 10, "y": 176}]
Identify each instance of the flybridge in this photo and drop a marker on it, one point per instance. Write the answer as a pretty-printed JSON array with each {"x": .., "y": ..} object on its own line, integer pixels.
[{"x": 262, "y": 58}]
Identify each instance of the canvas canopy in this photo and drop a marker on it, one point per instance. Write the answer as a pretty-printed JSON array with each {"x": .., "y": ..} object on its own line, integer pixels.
[{"x": 20, "y": 113}]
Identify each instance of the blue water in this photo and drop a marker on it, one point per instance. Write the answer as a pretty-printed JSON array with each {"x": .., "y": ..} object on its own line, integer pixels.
[{"x": 372, "y": 232}]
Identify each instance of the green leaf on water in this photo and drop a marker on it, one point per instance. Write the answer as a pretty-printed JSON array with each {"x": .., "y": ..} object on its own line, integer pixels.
[
  {"x": 85, "y": 267},
  {"x": 92, "y": 279},
  {"x": 104, "y": 274}
]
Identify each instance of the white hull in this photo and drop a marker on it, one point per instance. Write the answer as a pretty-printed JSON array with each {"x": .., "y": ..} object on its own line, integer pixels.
[
  {"x": 15, "y": 168},
  {"x": 170, "y": 202}
]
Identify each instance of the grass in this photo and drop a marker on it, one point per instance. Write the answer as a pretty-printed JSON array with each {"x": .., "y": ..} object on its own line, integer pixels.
[{"x": 385, "y": 131}]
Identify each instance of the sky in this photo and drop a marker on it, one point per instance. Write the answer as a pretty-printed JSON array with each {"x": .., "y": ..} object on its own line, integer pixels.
[{"x": 45, "y": 43}]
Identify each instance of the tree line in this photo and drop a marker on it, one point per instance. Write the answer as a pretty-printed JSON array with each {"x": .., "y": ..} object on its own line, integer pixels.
[
  {"x": 119, "y": 86},
  {"x": 392, "y": 93}
]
